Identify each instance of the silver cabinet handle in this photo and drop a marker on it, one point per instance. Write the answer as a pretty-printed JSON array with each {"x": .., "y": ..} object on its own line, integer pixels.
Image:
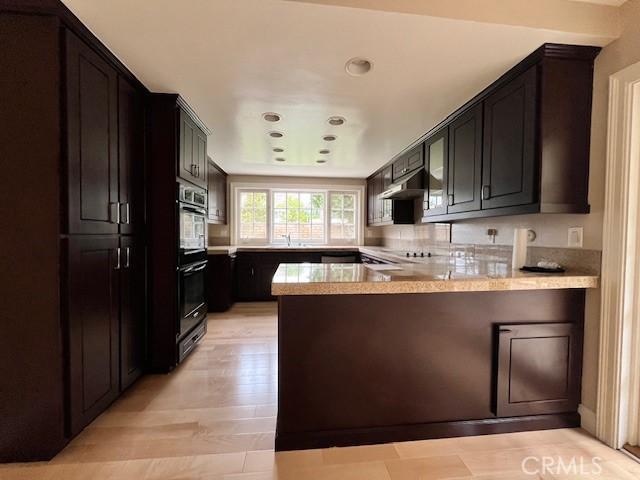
[
  {"x": 117, "y": 267},
  {"x": 126, "y": 216},
  {"x": 451, "y": 199},
  {"x": 486, "y": 192},
  {"x": 114, "y": 212},
  {"x": 127, "y": 257}
]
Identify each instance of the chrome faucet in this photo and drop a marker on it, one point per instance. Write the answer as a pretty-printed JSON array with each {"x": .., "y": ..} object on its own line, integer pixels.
[{"x": 288, "y": 237}]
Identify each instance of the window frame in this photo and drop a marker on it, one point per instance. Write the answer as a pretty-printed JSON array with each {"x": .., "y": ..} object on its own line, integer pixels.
[
  {"x": 356, "y": 217},
  {"x": 282, "y": 241},
  {"x": 252, "y": 241},
  {"x": 326, "y": 190}
]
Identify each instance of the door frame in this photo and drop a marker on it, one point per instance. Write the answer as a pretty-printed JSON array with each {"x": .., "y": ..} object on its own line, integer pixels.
[{"x": 617, "y": 416}]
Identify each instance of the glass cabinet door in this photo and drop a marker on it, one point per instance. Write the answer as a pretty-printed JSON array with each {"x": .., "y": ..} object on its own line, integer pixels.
[{"x": 435, "y": 201}]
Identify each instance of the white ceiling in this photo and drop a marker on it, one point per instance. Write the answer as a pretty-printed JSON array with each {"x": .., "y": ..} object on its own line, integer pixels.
[{"x": 232, "y": 60}]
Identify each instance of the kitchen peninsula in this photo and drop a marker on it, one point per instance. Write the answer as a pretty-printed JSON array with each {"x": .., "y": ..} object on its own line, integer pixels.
[{"x": 451, "y": 347}]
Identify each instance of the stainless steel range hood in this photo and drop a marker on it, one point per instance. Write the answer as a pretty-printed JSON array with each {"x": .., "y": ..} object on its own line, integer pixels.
[{"x": 410, "y": 186}]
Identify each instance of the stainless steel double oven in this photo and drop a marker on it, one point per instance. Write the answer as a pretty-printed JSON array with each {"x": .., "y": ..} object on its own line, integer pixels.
[{"x": 192, "y": 269}]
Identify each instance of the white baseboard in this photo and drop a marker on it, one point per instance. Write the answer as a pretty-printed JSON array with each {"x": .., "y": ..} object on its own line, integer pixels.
[{"x": 587, "y": 419}]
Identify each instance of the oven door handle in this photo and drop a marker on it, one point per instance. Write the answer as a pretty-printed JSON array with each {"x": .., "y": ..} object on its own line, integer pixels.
[
  {"x": 189, "y": 208},
  {"x": 195, "y": 268}
]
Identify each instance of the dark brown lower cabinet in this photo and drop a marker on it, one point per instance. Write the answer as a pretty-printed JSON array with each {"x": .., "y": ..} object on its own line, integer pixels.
[
  {"x": 107, "y": 328},
  {"x": 254, "y": 270},
  {"x": 254, "y": 273},
  {"x": 220, "y": 281},
  {"x": 93, "y": 340},
  {"x": 538, "y": 369},
  {"x": 132, "y": 310},
  {"x": 428, "y": 372}
]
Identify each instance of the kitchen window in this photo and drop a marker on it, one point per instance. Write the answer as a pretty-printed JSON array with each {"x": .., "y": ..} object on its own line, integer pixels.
[
  {"x": 253, "y": 217},
  {"x": 306, "y": 216},
  {"x": 298, "y": 215},
  {"x": 343, "y": 216}
]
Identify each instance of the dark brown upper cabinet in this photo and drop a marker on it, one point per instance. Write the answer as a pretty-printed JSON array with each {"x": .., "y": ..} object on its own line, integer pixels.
[
  {"x": 105, "y": 142},
  {"x": 465, "y": 162},
  {"x": 386, "y": 205},
  {"x": 538, "y": 369},
  {"x": 408, "y": 162},
  {"x": 217, "y": 193},
  {"x": 519, "y": 146},
  {"x": 130, "y": 157},
  {"x": 93, "y": 337},
  {"x": 509, "y": 163},
  {"x": 436, "y": 152},
  {"x": 92, "y": 140},
  {"x": 370, "y": 200},
  {"x": 192, "y": 165},
  {"x": 385, "y": 212}
]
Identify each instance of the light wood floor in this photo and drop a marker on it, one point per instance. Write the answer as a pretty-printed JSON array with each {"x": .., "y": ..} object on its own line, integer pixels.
[{"x": 214, "y": 418}]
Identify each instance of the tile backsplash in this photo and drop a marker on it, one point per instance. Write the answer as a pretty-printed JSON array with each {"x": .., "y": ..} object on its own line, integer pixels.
[{"x": 447, "y": 239}]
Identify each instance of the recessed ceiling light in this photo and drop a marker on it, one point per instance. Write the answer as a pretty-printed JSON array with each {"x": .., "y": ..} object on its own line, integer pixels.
[
  {"x": 272, "y": 117},
  {"x": 278, "y": 150},
  {"x": 324, "y": 151},
  {"x": 358, "y": 66},
  {"x": 275, "y": 134},
  {"x": 329, "y": 138},
  {"x": 336, "y": 121},
  {"x": 280, "y": 159},
  {"x": 321, "y": 160}
]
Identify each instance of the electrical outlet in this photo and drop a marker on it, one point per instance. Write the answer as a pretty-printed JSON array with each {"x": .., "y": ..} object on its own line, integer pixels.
[{"x": 574, "y": 237}]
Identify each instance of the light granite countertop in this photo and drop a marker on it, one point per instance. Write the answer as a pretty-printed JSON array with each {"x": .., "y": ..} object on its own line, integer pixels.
[
  {"x": 441, "y": 274},
  {"x": 227, "y": 250},
  {"x": 383, "y": 253}
]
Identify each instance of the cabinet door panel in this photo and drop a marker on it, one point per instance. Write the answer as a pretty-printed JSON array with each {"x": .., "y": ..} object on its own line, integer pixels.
[
  {"x": 415, "y": 158},
  {"x": 193, "y": 152},
  {"x": 370, "y": 201},
  {"x": 538, "y": 369},
  {"x": 509, "y": 144},
  {"x": 93, "y": 304},
  {"x": 465, "y": 162},
  {"x": 188, "y": 164},
  {"x": 132, "y": 310},
  {"x": 245, "y": 279},
  {"x": 380, "y": 204},
  {"x": 436, "y": 160},
  {"x": 130, "y": 156},
  {"x": 399, "y": 167},
  {"x": 200, "y": 153},
  {"x": 387, "y": 177},
  {"x": 212, "y": 192},
  {"x": 92, "y": 140},
  {"x": 222, "y": 198},
  {"x": 265, "y": 270}
]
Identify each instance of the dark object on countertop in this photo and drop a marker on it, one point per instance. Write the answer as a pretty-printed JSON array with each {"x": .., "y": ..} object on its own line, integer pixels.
[{"x": 542, "y": 269}]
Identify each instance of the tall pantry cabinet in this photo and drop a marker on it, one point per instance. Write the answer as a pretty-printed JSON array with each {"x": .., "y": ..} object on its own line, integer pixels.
[{"x": 73, "y": 328}]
